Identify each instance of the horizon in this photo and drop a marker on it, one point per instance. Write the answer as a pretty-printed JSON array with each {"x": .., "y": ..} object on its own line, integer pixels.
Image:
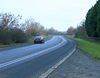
[{"x": 59, "y": 14}]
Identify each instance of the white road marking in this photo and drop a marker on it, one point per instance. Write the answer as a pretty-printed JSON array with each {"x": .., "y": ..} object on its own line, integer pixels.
[
  {"x": 32, "y": 55},
  {"x": 48, "y": 72}
]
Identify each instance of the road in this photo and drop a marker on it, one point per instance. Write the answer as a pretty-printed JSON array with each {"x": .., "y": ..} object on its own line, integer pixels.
[{"x": 33, "y": 60}]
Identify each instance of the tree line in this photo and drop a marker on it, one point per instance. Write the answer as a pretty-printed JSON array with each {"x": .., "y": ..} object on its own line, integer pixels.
[
  {"x": 79, "y": 31},
  {"x": 12, "y": 30},
  {"x": 90, "y": 28},
  {"x": 92, "y": 23},
  {"x": 9, "y": 29}
]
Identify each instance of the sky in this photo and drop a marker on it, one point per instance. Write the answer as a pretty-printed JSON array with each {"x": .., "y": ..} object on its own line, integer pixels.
[{"x": 59, "y": 14}]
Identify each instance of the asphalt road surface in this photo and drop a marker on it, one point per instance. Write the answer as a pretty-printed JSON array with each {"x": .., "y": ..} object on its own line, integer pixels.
[{"x": 33, "y": 60}]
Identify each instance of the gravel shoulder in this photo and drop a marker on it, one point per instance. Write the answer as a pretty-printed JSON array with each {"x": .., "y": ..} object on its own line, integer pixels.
[{"x": 78, "y": 65}]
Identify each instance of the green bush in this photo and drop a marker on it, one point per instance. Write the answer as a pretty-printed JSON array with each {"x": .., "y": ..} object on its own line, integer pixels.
[
  {"x": 5, "y": 37},
  {"x": 12, "y": 35},
  {"x": 18, "y": 36}
]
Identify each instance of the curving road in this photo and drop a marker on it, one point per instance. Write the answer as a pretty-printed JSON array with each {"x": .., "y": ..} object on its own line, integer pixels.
[{"x": 33, "y": 60}]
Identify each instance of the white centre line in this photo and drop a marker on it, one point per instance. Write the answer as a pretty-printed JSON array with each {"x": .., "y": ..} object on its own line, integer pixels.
[{"x": 32, "y": 55}]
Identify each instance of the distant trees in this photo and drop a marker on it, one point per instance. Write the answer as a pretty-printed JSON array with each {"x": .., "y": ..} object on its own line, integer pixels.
[
  {"x": 92, "y": 23},
  {"x": 78, "y": 32},
  {"x": 34, "y": 28},
  {"x": 81, "y": 31},
  {"x": 91, "y": 27},
  {"x": 71, "y": 31},
  {"x": 52, "y": 31},
  {"x": 14, "y": 31}
]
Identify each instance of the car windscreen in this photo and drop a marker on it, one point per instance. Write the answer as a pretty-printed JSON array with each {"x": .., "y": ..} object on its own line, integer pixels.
[{"x": 38, "y": 37}]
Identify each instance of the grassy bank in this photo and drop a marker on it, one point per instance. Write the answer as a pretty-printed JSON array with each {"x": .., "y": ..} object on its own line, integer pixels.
[{"x": 90, "y": 47}]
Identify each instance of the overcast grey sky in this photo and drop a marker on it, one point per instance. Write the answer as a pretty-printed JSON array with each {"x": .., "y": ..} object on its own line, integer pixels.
[{"x": 59, "y": 14}]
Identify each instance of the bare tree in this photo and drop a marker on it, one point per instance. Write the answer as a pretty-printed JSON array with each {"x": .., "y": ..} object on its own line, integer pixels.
[
  {"x": 34, "y": 28},
  {"x": 80, "y": 31},
  {"x": 71, "y": 31},
  {"x": 9, "y": 20}
]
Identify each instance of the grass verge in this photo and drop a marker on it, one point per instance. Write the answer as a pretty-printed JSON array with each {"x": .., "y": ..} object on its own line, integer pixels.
[
  {"x": 30, "y": 41},
  {"x": 16, "y": 44},
  {"x": 89, "y": 47}
]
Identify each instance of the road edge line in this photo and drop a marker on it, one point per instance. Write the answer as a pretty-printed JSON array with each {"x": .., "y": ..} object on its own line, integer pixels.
[{"x": 48, "y": 72}]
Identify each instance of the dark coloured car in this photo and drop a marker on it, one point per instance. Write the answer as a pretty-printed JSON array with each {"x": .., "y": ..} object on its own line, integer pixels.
[{"x": 39, "y": 39}]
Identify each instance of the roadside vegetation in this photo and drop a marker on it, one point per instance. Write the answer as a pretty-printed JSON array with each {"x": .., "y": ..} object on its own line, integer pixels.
[
  {"x": 89, "y": 47},
  {"x": 87, "y": 33},
  {"x": 92, "y": 23},
  {"x": 14, "y": 32},
  {"x": 30, "y": 41}
]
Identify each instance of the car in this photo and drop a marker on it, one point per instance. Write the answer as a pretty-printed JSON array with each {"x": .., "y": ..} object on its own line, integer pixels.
[{"x": 39, "y": 39}]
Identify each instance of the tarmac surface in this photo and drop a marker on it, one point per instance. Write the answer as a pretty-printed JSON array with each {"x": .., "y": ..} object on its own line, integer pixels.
[
  {"x": 79, "y": 65},
  {"x": 34, "y": 60}
]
